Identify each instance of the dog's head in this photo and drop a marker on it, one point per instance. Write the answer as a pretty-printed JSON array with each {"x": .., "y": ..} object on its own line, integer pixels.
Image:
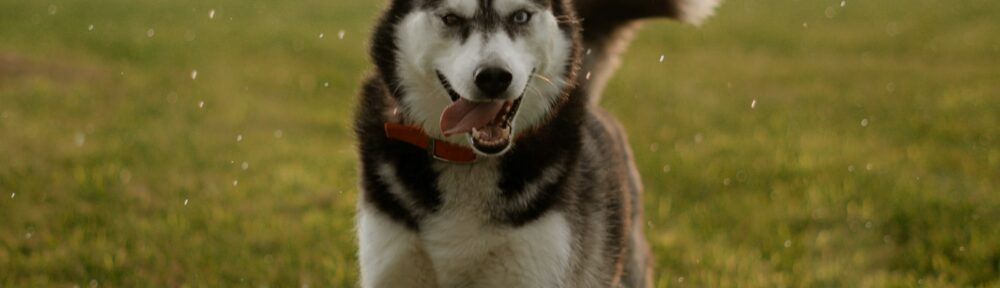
[{"x": 477, "y": 72}]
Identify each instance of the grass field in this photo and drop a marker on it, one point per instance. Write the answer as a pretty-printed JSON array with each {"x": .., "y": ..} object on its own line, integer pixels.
[{"x": 784, "y": 144}]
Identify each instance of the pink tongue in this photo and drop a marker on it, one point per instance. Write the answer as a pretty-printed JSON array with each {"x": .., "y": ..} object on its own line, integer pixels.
[{"x": 463, "y": 115}]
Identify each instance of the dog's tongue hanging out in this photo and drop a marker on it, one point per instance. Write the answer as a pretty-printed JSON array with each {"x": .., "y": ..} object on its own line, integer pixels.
[{"x": 463, "y": 115}]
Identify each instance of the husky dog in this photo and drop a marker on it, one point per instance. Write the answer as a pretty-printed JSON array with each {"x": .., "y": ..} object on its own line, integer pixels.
[{"x": 485, "y": 161}]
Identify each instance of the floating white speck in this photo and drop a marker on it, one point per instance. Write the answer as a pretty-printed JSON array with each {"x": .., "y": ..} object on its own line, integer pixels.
[
  {"x": 666, "y": 168},
  {"x": 753, "y": 104},
  {"x": 662, "y": 57},
  {"x": 843, "y": 3},
  {"x": 245, "y": 165},
  {"x": 864, "y": 122},
  {"x": 27, "y": 235},
  {"x": 90, "y": 28},
  {"x": 79, "y": 139},
  {"x": 211, "y": 14},
  {"x": 340, "y": 34},
  {"x": 321, "y": 35},
  {"x": 588, "y": 51},
  {"x": 869, "y": 166},
  {"x": 201, "y": 104},
  {"x": 194, "y": 75},
  {"x": 588, "y": 76},
  {"x": 805, "y": 24},
  {"x": 12, "y": 195},
  {"x": 185, "y": 202},
  {"x": 788, "y": 243},
  {"x": 278, "y": 133},
  {"x": 150, "y": 32},
  {"x": 236, "y": 182},
  {"x": 239, "y": 137}
]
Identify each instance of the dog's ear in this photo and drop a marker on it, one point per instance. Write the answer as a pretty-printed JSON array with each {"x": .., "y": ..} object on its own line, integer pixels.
[{"x": 608, "y": 26}]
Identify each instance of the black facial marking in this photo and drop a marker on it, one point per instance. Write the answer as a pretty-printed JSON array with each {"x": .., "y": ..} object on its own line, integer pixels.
[
  {"x": 533, "y": 150},
  {"x": 447, "y": 86},
  {"x": 487, "y": 20}
]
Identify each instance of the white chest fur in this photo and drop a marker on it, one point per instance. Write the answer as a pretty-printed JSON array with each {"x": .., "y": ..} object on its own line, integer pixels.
[{"x": 458, "y": 246}]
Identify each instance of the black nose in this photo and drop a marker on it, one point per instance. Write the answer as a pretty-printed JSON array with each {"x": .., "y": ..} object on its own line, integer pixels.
[{"x": 493, "y": 81}]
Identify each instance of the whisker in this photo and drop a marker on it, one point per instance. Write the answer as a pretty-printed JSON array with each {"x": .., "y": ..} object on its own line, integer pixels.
[
  {"x": 549, "y": 81},
  {"x": 535, "y": 90},
  {"x": 543, "y": 78}
]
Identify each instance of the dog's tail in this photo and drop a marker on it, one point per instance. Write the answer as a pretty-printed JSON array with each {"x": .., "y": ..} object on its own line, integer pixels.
[{"x": 608, "y": 26}]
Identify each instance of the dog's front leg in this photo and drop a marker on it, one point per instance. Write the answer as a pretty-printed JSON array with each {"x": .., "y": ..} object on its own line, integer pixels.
[{"x": 390, "y": 254}]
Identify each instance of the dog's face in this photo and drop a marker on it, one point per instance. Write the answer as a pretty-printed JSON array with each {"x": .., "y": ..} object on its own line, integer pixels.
[{"x": 479, "y": 72}]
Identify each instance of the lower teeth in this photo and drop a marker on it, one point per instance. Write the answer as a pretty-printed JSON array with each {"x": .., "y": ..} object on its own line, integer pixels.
[{"x": 497, "y": 131}]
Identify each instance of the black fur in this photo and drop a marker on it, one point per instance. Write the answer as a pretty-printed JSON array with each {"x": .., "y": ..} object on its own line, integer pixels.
[
  {"x": 537, "y": 149},
  {"x": 595, "y": 181}
]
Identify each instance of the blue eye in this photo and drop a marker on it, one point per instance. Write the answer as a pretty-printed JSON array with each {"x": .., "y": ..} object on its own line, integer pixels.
[{"x": 521, "y": 17}]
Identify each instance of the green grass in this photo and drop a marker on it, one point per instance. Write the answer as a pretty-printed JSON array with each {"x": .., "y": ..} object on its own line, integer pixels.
[{"x": 871, "y": 157}]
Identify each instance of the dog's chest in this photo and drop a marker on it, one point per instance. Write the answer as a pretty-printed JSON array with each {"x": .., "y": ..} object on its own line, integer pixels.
[
  {"x": 463, "y": 220},
  {"x": 468, "y": 247}
]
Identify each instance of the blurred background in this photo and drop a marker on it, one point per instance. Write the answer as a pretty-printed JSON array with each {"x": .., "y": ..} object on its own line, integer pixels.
[{"x": 787, "y": 143}]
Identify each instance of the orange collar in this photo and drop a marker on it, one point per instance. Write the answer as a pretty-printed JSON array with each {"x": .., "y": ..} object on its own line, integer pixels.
[{"x": 438, "y": 149}]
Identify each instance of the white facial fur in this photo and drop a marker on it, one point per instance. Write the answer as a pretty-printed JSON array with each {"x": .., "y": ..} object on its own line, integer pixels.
[{"x": 426, "y": 47}]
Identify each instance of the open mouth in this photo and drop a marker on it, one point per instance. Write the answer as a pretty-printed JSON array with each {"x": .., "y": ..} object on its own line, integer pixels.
[{"x": 487, "y": 123}]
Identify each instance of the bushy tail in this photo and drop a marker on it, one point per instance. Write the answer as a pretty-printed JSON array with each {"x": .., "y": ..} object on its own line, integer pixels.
[{"x": 608, "y": 26}]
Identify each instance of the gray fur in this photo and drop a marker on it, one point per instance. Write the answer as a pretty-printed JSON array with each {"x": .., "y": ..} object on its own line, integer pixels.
[{"x": 561, "y": 208}]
